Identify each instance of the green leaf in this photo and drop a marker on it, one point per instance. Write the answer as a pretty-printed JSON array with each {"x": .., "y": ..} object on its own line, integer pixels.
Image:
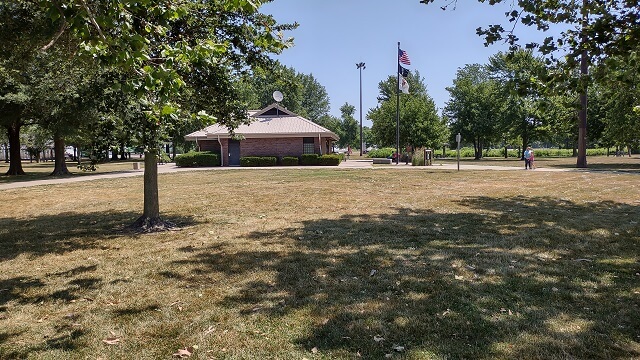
[{"x": 167, "y": 110}]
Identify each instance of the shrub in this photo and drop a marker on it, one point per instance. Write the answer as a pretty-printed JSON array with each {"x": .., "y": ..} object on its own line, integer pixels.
[
  {"x": 163, "y": 157},
  {"x": 309, "y": 159},
  {"x": 258, "y": 161},
  {"x": 464, "y": 152},
  {"x": 418, "y": 157},
  {"x": 289, "y": 161},
  {"x": 513, "y": 153},
  {"x": 596, "y": 152},
  {"x": 198, "y": 158},
  {"x": 329, "y": 160},
  {"x": 381, "y": 153}
]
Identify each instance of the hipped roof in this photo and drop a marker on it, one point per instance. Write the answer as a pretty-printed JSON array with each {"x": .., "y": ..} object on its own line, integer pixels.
[{"x": 271, "y": 122}]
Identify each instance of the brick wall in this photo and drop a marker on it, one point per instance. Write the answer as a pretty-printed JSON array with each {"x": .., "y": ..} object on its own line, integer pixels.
[
  {"x": 264, "y": 147},
  {"x": 214, "y": 145},
  {"x": 209, "y": 145},
  {"x": 267, "y": 147}
]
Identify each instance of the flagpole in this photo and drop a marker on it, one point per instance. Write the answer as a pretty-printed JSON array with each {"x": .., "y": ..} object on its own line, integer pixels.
[{"x": 398, "y": 107}]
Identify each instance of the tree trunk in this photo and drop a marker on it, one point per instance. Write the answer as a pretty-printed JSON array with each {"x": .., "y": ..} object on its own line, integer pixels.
[
  {"x": 123, "y": 152},
  {"x": 582, "y": 114},
  {"x": 525, "y": 143},
  {"x": 150, "y": 220},
  {"x": 477, "y": 148},
  {"x": 15, "y": 158},
  {"x": 60, "y": 167},
  {"x": 114, "y": 153}
]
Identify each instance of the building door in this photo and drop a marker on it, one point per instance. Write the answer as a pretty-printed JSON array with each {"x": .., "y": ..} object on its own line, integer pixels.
[{"x": 234, "y": 152}]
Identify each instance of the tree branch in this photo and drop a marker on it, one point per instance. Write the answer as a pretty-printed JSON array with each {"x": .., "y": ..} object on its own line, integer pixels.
[
  {"x": 63, "y": 27},
  {"x": 92, "y": 19}
]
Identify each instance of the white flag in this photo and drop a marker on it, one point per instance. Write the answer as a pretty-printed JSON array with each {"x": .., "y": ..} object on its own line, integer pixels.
[{"x": 404, "y": 85}]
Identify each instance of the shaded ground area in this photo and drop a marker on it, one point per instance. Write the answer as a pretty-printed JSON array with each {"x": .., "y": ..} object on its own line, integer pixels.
[{"x": 327, "y": 264}]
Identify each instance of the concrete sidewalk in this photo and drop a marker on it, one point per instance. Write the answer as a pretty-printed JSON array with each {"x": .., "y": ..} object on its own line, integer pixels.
[{"x": 349, "y": 164}]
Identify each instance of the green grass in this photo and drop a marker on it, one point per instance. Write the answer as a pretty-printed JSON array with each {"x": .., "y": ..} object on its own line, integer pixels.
[{"x": 280, "y": 264}]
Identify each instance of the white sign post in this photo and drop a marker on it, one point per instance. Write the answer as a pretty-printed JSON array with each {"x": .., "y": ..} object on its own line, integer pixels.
[{"x": 458, "y": 138}]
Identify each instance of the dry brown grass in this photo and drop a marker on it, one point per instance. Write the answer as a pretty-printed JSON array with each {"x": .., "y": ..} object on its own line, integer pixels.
[
  {"x": 279, "y": 264},
  {"x": 41, "y": 171}
]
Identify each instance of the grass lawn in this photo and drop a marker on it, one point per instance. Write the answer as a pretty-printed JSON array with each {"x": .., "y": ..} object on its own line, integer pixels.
[
  {"x": 594, "y": 162},
  {"x": 41, "y": 171},
  {"x": 326, "y": 264}
]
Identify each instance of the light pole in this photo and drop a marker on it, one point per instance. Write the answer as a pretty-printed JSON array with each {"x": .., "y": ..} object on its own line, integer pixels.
[{"x": 361, "y": 67}]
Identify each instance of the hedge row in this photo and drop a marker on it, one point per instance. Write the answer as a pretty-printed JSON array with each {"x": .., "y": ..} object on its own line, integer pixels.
[
  {"x": 306, "y": 159},
  {"x": 258, "y": 161},
  {"x": 289, "y": 161},
  {"x": 197, "y": 158},
  {"x": 381, "y": 153},
  {"x": 513, "y": 153}
]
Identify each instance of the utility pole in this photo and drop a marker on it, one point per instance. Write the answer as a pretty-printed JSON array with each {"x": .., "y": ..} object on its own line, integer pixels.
[{"x": 361, "y": 66}]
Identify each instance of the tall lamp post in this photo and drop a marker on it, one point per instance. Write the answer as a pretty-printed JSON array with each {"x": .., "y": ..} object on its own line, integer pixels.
[{"x": 361, "y": 67}]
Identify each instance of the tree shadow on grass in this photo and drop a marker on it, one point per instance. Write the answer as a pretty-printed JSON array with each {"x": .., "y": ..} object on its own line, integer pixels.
[
  {"x": 70, "y": 231},
  {"x": 25, "y": 290},
  {"x": 58, "y": 234},
  {"x": 508, "y": 277}
]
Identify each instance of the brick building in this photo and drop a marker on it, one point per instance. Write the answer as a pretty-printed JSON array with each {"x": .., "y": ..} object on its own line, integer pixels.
[{"x": 273, "y": 131}]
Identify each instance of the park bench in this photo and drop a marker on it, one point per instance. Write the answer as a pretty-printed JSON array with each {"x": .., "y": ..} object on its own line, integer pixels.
[{"x": 381, "y": 161}]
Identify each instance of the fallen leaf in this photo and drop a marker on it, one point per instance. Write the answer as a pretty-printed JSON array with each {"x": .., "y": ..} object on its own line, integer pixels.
[
  {"x": 378, "y": 338},
  {"x": 111, "y": 340},
  {"x": 314, "y": 350},
  {"x": 209, "y": 330},
  {"x": 398, "y": 348},
  {"x": 458, "y": 277},
  {"x": 184, "y": 353},
  {"x": 373, "y": 272},
  {"x": 388, "y": 356}
]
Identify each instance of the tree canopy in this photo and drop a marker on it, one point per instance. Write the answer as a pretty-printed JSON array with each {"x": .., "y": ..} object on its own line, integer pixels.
[
  {"x": 156, "y": 46},
  {"x": 303, "y": 94},
  {"x": 420, "y": 124}
]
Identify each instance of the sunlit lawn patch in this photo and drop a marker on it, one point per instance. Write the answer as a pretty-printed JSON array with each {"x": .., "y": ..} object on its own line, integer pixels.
[
  {"x": 41, "y": 171},
  {"x": 325, "y": 264}
]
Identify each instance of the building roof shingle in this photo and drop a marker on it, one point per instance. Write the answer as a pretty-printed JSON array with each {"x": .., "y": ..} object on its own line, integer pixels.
[{"x": 282, "y": 124}]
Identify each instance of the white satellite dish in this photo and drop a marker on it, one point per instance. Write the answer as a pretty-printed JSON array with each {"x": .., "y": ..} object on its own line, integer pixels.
[{"x": 277, "y": 96}]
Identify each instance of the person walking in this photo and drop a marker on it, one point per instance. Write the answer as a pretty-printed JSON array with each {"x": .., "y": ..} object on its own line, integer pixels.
[
  {"x": 528, "y": 158},
  {"x": 532, "y": 163}
]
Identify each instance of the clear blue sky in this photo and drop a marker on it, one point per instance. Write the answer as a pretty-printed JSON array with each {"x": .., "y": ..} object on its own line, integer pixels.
[{"x": 336, "y": 34}]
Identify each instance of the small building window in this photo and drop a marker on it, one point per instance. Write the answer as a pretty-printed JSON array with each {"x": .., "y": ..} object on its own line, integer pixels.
[{"x": 308, "y": 146}]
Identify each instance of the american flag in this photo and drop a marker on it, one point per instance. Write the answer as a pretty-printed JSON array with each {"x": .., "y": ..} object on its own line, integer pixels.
[{"x": 403, "y": 57}]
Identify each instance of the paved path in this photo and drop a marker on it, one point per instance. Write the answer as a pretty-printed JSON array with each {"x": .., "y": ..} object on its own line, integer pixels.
[{"x": 350, "y": 164}]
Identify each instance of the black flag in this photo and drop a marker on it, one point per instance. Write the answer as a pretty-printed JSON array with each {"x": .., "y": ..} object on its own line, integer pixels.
[{"x": 402, "y": 71}]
